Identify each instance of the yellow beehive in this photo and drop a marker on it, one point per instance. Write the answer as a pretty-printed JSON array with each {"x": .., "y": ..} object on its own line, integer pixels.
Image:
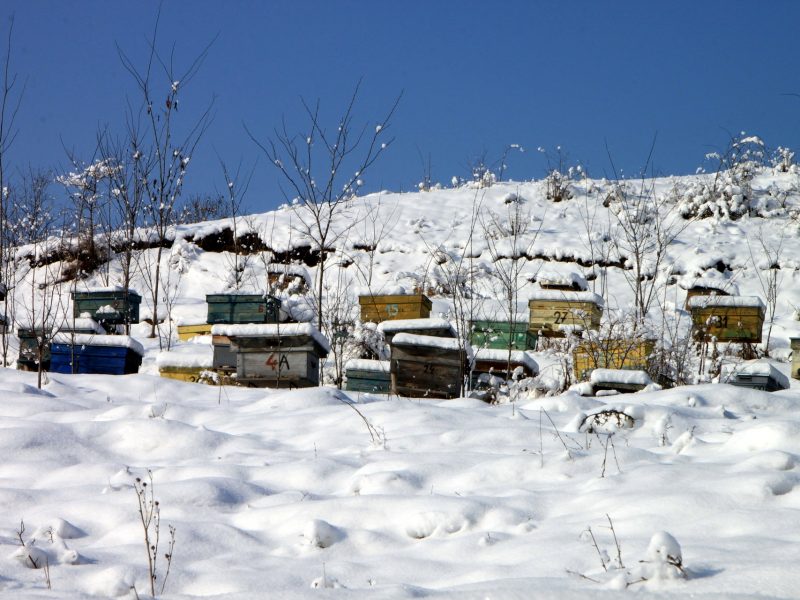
[
  {"x": 632, "y": 354},
  {"x": 187, "y": 332},
  {"x": 727, "y": 318},
  {"x": 554, "y": 311},
  {"x": 377, "y": 309}
]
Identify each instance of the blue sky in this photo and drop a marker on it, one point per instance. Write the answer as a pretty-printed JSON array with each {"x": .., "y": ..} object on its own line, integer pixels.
[{"x": 476, "y": 77}]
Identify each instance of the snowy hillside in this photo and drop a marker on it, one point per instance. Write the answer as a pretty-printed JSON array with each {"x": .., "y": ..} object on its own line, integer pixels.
[{"x": 687, "y": 491}]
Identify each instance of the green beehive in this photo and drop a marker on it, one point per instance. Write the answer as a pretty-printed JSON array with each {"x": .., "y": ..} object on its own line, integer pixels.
[
  {"x": 242, "y": 308},
  {"x": 498, "y": 334},
  {"x": 28, "y": 359},
  {"x": 110, "y": 306}
]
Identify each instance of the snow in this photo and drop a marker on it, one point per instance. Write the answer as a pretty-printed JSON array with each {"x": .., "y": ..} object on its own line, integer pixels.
[
  {"x": 108, "y": 289},
  {"x": 188, "y": 356},
  {"x": 82, "y": 323},
  {"x": 87, "y": 339},
  {"x": 726, "y": 301},
  {"x": 624, "y": 376},
  {"x": 362, "y": 364},
  {"x": 272, "y": 330},
  {"x": 548, "y": 277},
  {"x": 415, "y": 324},
  {"x": 428, "y": 341},
  {"x": 459, "y": 502},
  {"x": 517, "y": 356},
  {"x": 566, "y": 296}
]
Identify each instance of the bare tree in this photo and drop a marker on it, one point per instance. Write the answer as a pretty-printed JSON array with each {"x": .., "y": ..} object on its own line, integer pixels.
[
  {"x": 164, "y": 150},
  {"x": 323, "y": 171},
  {"x": 41, "y": 304},
  {"x": 236, "y": 186},
  {"x": 372, "y": 228},
  {"x": 510, "y": 239},
  {"x": 767, "y": 264},
  {"x": 126, "y": 199},
  {"x": 85, "y": 186},
  {"x": 456, "y": 271},
  {"x": 646, "y": 224},
  {"x": 10, "y": 101}
]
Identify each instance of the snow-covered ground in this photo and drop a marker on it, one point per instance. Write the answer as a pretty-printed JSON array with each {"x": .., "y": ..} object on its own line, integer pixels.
[{"x": 276, "y": 493}]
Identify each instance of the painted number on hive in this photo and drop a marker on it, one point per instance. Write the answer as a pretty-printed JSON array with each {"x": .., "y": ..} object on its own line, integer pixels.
[
  {"x": 427, "y": 368},
  {"x": 560, "y": 317},
  {"x": 392, "y": 310},
  {"x": 279, "y": 362}
]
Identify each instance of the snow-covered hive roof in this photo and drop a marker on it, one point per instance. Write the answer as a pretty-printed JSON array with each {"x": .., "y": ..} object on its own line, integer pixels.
[
  {"x": 272, "y": 330},
  {"x": 86, "y": 339}
]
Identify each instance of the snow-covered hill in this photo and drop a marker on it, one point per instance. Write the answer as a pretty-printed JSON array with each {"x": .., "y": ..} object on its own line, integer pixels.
[{"x": 692, "y": 490}]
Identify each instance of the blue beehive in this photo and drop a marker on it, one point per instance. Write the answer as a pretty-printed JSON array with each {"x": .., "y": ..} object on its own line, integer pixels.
[{"x": 95, "y": 354}]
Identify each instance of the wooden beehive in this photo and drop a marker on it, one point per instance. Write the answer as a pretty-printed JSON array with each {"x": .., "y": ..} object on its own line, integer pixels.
[
  {"x": 499, "y": 334},
  {"x": 432, "y": 327},
  {"x": 756, "y": 375},
  {"x": 552, "y": 312},
  {"x": 377, "y": 309},
  {"x": 224, "y": 355},
  {"x": 192, "y": 363},
  {"x": 795, "y": 345},
  {"x": 496, "y": 362},
  {"x": 187, "y": 332},
  {"x": 28, "y": 359},
  {"x": 619, "y": 380},
  {"x": 242, "y": 308},
  {"x": 372, "y": 376},
  {"x": 108, "y": 306},
  {"x": 425, "y": 366},
  {"x": 727, "y": 318},
  {"x": 276, "y": 355},
  {"x": 608, "y": 353},
  {"x": 95, "y": 354}
]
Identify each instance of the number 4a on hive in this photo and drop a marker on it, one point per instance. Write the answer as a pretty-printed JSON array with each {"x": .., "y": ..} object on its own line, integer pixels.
[{"x": 276, "y": 363}]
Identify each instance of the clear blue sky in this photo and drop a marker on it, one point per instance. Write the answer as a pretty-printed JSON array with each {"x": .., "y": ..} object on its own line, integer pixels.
[{"x": 476, "y": 76}]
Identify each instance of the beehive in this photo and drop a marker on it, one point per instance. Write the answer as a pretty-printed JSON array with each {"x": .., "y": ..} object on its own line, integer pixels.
[
  {"x": 727, "y": 318},
  {"x": 552, "y": 312},
  {"x": 276, "y": 355},
  {"x": 496, "y": 362},
  {"x": 755, "y": 374},
  {"x": 242, "y": 308},
  {"x": 424, "y": 366},
  {"x": 371, "y": 376},
  {"x": 95, "y": 354},
  {"x": 610, "y": 354},
  {"x": 192, "y": 363},
  {"x": 376, "y": 309},
  {"x": 187, "y": 332},
  {"x": 28, "y": 359},
  {"x": 619, "y": 380},
  {"x": 499, "y": 334},
  {"x": 432, "y": 327},
  {"x": 795, "y": 344},
  {"x": 109, "y": 306}
]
